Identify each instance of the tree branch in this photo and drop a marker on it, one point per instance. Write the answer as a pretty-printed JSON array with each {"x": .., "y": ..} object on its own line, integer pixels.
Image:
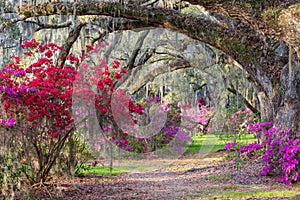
[
  {"x": 245, "y": 101},
  {"x": 118, "y": 25},
  {"x": 268, "y": 17},
  {"x": 175, "y": 65},
  {"x": 243, "y": 44},
  {"x": 73, "y": 35},
  {"x": 274, "y": 18},
  {"x": 49, "y": 26},
  {"x": 10, "y": 22},
  {"x": 138, "y": 45}
]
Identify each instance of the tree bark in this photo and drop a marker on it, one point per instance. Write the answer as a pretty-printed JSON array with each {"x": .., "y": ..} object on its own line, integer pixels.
[{"x": 288, "y": 113}]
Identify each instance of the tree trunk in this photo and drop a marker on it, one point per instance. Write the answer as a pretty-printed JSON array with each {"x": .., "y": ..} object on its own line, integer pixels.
[
  {"x": 288, "y": 112},
  {"x": 282, "y": 103}
]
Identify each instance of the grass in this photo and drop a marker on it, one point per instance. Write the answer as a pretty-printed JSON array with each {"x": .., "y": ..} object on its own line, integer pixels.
[
  {"x": 258, "y": 194},
  {"x": 230, "y": 187},
  {"x": 219, "y": 177},
  {"x": 100, "y": 170},
  {"x": 201, "y": 143},
  {"x": 104, "y": 170},
  {"x": 204, "y": 143},
  {"x": 232, "y": 192},
  {"x": 211, "y": 143},
  {"x": 205, "y": 192},
  {"x": 192, "y": 195},
  {"x": 126, "y": 168}
]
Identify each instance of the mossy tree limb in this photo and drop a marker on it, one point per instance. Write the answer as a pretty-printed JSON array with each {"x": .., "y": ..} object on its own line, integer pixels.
[
  {"x": 243, "y": 44},
  {"x": 257, "y": 26}
]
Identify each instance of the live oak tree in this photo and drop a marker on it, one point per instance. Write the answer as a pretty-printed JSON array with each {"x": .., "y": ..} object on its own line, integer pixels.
[{"x": 262, "y": 36}]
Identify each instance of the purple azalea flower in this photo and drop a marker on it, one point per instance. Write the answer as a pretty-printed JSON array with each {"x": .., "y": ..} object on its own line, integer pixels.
[{"x": 11, "y": 122}]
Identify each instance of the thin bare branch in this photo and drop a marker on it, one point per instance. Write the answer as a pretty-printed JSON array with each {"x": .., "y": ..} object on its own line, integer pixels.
[
  {"x": 49, "y": 26},
  {"x": 175, "y": 65},
  {"x": 73, "y": 36},
  {"x": 10, "y": 22},
  {"x": 245, "y": 101},
  {"x": 138, "y": 46}
]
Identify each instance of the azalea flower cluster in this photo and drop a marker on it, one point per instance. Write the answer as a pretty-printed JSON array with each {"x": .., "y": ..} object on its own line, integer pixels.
[
  {"x": 229, "y": 146},
  {"x": 37, "y": 99},
  {"x": 240, "y": 119},
  {"x": 42, "y": 90},
  {"x": 279, "y": 150},
  {"x": 282, "y": 155},
  {"x": 198, "y": 118},
  {"x": 169, "y": 134},
  {"x": 7, "y": 123}
]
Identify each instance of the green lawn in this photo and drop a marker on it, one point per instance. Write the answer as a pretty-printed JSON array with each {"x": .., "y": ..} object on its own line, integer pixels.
[
  {"x": 258, "y": 194},
  {"x": 212, "y": 143},
  {"x": 200, "y": 144},
  {"x": 217, "y": 192},
  {"x": 104, "y": 170},
  {"x": 99, "y": 170}
]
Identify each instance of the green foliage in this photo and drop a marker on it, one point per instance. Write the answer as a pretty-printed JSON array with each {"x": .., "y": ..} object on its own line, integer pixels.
[
  {"x": 73, "y": 154},
  {"x": 11, "y": 173},
  {"x": 270, "y": 14}
]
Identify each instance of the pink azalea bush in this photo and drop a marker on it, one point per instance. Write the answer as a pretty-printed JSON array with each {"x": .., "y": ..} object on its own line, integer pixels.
[
  {"x": 279, "y": 150},
  {"x": 240, "y": 120}
]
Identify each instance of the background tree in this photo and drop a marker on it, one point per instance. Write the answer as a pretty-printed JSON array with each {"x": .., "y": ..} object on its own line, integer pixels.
[{"x": 249, "y": 32}]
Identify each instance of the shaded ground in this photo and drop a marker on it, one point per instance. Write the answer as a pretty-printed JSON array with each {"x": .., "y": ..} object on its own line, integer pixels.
[{"x": 185, "y": 178}]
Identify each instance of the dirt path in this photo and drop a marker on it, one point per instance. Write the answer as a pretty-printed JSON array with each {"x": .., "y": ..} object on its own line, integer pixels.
[{"x": 186, "y": 178}]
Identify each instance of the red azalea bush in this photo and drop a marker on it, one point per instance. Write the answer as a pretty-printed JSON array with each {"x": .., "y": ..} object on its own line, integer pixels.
[
  {"x": 38, "y": 98},
  {"x": 37, "y": 106},
  {"x": 37, "y": 101}
]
